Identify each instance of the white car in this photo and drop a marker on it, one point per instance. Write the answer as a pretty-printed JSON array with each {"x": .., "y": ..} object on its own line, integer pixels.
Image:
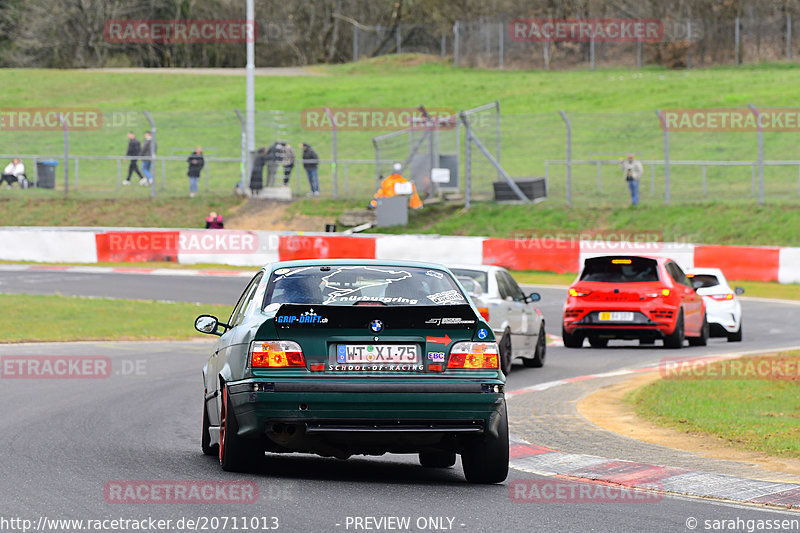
[
  {"x": 723, "y": 309},
  {"x": 517, "y": 324}
]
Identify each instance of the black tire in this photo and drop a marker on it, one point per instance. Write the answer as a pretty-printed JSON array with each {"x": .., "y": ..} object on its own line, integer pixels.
[
  {"x": 571, "y": 341},
  {"x": 437, "y": 459},
  {"x": 675, "y": 339},
  {"x": 205, "y": 443},
  {"x": 702, "y": 340},
  {"x": 505, "y": 352},
  {"x": 537, "y": 361},
  {"x": 597, "y": 342},
  {"x": 736, "y": 336},
  {"x": 235, "y": 453},
  {"x": 486, "y": 460}
]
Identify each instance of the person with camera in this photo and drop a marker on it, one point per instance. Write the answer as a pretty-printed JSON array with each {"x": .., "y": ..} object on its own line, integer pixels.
[{"x": 632, "y": 171}]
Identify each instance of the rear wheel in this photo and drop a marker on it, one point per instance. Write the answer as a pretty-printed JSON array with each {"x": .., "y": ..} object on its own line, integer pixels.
[
  {"x": 597, "y": 342},
  {"x": 208, "y": 448},
  {"x": 235, "y": 453},
  {"x": 736, "y": 336},
  {"x": 437, "y": 459},
  {"x": 702, "y": 340},
  {"x": 537, "y": 361},
  {"x": 505, "y": 352},
  {"x": 486, "y": 460},
  {"x": 571, "y": 341},
  {"x": 675, "y": 339}
]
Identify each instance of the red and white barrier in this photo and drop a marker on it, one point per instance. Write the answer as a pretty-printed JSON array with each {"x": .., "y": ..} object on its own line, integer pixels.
[{"x": 255, "y": 248}]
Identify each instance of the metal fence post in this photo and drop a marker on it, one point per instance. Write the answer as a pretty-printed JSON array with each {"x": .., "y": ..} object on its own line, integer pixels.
[
  {"x": 547, "y": 54},
  {"x": 688, "y": 44},
  {"x": 760, "y": 154},
  {"x": 243, "y": 166},
  {"x": 443, "y": 48},
  {"x": 76, "y": 173},
  {"x": 334, "y": 155},
  {"x": 66, "y": 153},
  {"x": 398, "y": 41},
  {"x": 591, "y": 50},
  {"x": 152, "y": 152},
  {"x": 467, "y": 161},
  {"x": 666, "y": 156},
  {"x": 736, "y": 40},
  {"x": 355, "y": 43},
  {"x": 501, "y": 38},
  {"x": 788, "y": 36},
  {"x": 455, "y": 44},
  {"x": 569, "y": 157}
]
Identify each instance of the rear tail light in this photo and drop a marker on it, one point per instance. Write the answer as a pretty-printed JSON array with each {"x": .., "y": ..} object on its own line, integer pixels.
[
  {"x": 721, "y": 297},
  {"x": 474, "y": 355},
  {"x": 484, "y": 311},
  {"x": 276, "y": 354},
  {"x": 663, "y": 292},
  {"x": 577, "y": 292}
]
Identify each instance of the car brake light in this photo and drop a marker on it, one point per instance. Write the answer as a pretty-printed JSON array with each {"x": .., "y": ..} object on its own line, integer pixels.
[
  {"x": 484, "y": 311},
  {"x": 664, "y": 292},
  {"x": 474, "y": 355},
  {"x": 276, "y": 354},
  {"x": 576, "y": 292},
  {"x": 621, "y": 261},
  {"x": 722, "y": 297}
]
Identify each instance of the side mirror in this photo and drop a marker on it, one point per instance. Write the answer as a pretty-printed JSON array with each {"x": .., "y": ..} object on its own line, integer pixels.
[
  {"x": 207, "y": 324},
  {"x": 738, "y": 290},
  {"x": 534, "y": 297}
]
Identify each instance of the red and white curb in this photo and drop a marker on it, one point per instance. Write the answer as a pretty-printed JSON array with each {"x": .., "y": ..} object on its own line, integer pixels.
[{"x": 543, "y": 461}]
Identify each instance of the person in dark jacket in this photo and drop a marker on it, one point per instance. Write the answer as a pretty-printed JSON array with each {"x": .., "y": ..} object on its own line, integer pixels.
[
  {"x": 310, "y": 163},
  {"x": 134, "y": 149},
  {"x": 257, "y": 174},
  {"x": 214, "y": 221},
  {"x": 273, "y": 158},
  {"x": 288, "y": 163},
  {"x": 196, "y": 164},
  {"x": 149, "y": 149}
]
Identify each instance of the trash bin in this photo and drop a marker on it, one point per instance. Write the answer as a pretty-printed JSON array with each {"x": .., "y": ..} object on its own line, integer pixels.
[{"x": 46, "y": 173}]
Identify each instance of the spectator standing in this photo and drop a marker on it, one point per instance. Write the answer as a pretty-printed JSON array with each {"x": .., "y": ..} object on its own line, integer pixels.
[
  {"x": 14, "y": 173},
  {"x": 134, "y": 149},
  {"x": 632, "y": 170},
  {"x": 310, "y": 163},
  {"x": 149, "y": 149},
  {"x": 257, "y": 174},
  {"x": 288, "y": 163},
  {"x": 196, "y": 164},
  {"x": 214, "y": 221},
  {"x": 274, "y": 157}
]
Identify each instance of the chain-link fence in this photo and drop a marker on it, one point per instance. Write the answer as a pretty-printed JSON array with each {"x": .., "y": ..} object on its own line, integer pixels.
[
  {"x": 679, "y": 43},
  {"x": 682, "y": 164}
]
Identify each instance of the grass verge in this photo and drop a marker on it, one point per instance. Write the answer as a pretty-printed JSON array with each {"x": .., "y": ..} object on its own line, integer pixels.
[
  {"x": 753, "y": 403},
  {"x": 63, "y": 318}
]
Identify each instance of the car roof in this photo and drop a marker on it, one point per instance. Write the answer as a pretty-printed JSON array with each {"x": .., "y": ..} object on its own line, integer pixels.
[
  {"x": 660, "y": 259},
  {"x": 351, "y": 262},
  {"x": 707, "y": 271},
  {"x": 479, "y": 268}
]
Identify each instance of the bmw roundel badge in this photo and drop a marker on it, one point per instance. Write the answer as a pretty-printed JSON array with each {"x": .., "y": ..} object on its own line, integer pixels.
[
  {"x": 482, "y": 333},
  {"x": 376, "y": 326}
]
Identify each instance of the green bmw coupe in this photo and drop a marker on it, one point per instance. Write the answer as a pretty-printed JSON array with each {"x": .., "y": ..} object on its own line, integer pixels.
[{"x": 345, "y": 357}]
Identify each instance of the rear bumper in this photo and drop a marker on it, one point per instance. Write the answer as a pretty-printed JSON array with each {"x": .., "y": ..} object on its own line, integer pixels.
[
  {"x": 723, "y": 317},
  {"x": 619, "y": 332},
  {"x": 649, "y": 322},
  {"x": 368, "y": 411}
]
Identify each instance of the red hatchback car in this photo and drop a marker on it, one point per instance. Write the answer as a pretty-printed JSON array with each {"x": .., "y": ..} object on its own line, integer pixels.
[{"x": 633, "y": 297}]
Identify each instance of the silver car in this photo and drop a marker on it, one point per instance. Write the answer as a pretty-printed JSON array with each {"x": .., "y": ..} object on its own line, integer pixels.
[{"x": 518, "y": 325}]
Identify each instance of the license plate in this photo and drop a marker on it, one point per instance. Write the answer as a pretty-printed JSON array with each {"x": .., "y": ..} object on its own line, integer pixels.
[
  {"x": 616, "y": 316},
  {"x": 377, "y": 353}
]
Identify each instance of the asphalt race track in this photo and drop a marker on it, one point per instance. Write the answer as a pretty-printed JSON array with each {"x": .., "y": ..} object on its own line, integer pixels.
[{"x": 66, "y": 441}]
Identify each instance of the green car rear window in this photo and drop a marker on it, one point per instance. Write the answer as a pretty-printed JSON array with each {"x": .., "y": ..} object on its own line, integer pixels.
[{"x": 363, "y": 285}]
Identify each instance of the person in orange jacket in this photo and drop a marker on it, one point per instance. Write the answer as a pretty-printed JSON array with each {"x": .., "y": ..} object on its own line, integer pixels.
[{"x": 387, "y": 189}]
